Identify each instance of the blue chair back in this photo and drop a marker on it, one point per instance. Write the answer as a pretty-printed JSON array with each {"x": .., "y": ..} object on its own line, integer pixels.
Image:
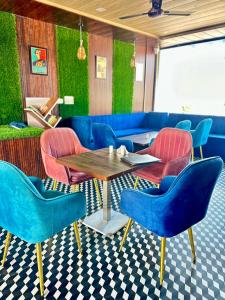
[
  {"x": 201, "y": 133},
  {"x": 184, "y": 204},
  {"x": 185, "y": 125},
  {"x": 103, "y": 135}
]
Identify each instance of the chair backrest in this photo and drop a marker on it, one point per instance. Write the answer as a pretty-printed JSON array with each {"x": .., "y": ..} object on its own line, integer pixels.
[
  {"x": 171, "y": 143},
  {"x": 185, "y": 125},
  {"x": 186, "y": 202},
  {"x": 18, "y": 203},
  {"x": 201, "y": 133},
  {"x": 59, "y": 142},
  {"x": 103, "y": 135}
]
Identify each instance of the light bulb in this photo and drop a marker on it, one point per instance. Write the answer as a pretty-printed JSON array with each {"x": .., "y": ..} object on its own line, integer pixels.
[{"x": 81, "y": 54}]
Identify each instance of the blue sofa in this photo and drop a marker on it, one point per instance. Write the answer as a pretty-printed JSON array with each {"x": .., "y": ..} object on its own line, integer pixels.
[
  {"x": 135, "y": 123},
  {"x": 122, "y": 124}
]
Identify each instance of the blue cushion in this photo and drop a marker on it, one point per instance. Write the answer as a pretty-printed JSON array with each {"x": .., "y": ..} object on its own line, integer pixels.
[
  {"x": 156, "y": 120},
  {"x": 126, "y": 132}
]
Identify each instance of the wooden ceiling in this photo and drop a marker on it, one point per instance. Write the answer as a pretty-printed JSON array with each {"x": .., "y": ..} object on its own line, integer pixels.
[{"x": 205, "y": 13}]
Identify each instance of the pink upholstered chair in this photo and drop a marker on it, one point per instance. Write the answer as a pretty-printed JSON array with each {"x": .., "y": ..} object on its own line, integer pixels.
[
  {"x": 58, "y": 142},
  {"x": 173, "y": 146}
]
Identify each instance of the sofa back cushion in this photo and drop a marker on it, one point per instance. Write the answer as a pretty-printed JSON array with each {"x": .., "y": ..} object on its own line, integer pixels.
[
  {"x": 155, "y": 120},
  {"x": 121, "y": 121}
]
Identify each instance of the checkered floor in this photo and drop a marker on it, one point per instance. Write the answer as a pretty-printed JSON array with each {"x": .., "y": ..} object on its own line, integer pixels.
[{"x": 103, "y": 273}]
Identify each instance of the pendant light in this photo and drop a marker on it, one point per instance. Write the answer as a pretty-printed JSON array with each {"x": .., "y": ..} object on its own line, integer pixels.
[
  {"x": 81, "y": 54},
  {"x": 132, "y": 61}
]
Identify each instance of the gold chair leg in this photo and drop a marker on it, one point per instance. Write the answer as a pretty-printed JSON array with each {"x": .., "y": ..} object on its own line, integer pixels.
[
  {"x": 97, "y": 191},
  {"x": 201, "y": 154},
  {"x": 190, "y": 235},
  {"x": 128, "y": 226},
  {"x": 157, "y": 185},
  {"x": 77, "y": 235},
  {"x": 75, "y": 188},
  {"x": 40, "y": 267},
  {"x": 54, "y": 184},
  {"x": 192, "y": 154},
  {"x": 7, "y": 242},
  {"x": 163, "y": 250},
  {"x": 136, "y": 182}
]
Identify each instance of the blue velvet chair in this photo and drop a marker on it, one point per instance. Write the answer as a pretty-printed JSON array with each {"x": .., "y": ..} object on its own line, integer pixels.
[
  {"x": 200, "y": 135},
  {"x": 176, "y": 206},
  {"x": 104, "y": 136},
  {"x": 185, "y": 125},
  {"x": 33, "y": 214}
]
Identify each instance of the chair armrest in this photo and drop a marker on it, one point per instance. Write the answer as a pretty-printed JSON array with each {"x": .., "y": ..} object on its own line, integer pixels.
[
  {"x": 166, "y": 183},
  {"x": 175, "y": 166},
  {"x": 82, "y": 149},
  {"x": 54, "y": 169},
  {"x": 127, "y": 143},
  {"x": 145, "y": 151}
]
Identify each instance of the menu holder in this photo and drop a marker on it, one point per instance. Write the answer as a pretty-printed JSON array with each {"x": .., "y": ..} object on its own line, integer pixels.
[{"x": 139, "y": 159}]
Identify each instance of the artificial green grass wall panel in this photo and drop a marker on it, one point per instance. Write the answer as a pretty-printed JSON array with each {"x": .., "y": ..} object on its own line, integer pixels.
[
  {"x": 123, "y": 77},
  {"x": 10, "y": 89},
  {"x": 72, "y": 73}
]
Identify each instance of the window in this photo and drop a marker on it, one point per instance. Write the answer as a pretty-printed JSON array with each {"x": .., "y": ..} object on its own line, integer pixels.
[{"x": 191, "y": 79}]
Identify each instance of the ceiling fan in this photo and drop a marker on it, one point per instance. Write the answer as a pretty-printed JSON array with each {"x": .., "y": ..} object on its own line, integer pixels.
[{"x": 156, "y": 11}]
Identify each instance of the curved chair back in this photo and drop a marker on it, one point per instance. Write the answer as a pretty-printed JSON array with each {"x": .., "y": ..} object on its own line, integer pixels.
[
  {"x": 171, "y": 143},
  {"x": 18, "y": 205},
  {"x": 185, "y": 125},
  {"x": 201, "y": 133},
  {"x": 103, "y": 135},
  {"x": 188, "y": 197}
]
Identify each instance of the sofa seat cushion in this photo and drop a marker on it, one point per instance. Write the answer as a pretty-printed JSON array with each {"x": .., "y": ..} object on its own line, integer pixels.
[
  {"x": 218, "y": 136},
  {"x": 126, "y": 132}
]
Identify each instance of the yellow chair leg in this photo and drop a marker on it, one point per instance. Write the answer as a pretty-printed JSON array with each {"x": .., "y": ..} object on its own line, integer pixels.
[
  {"x": 192, "y": 154},
  {"x": 77, "y": 235},
  {"x": 136, "y": 182},
  {"x": 75, "y": 188},
  {"x": 97, "y": 191},
  {"x": 40, "y": 267},
  {"x": 163, "y": 250},
  {"x": 128, "y": 226},
  {"x": 190, "y": 235},
  {"x": 7, "y": 242},
  {"x": 201, "y": 154},
  {"x": 54, "y": 184},
  {"x": 157, "y": 185}
]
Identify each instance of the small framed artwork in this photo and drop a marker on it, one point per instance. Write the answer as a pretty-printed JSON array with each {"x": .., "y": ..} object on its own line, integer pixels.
[
  {"x": 39, "y": 60},
  {"x": 101, "y": 65}
]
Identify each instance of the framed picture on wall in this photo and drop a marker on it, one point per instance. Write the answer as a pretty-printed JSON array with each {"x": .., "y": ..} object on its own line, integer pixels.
[
  {"x": 100, "y": 67},
  {"x": 38, "y": 60}
]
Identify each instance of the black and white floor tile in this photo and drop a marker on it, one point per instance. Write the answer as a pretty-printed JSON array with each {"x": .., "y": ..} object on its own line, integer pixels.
[{"x": 104, "y": 273}]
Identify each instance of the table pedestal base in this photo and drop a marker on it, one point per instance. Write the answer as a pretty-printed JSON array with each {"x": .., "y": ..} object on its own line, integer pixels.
[{"x": 96, "y": 222}]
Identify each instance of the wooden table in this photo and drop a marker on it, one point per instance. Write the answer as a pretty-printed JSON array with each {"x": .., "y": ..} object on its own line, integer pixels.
[
  {"x": 142, "y": 139},
  {"x": 105, "y": 166}
]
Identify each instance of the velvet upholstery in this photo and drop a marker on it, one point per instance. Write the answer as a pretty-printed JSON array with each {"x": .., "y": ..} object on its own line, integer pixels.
[
  {"x": 185, "y": 125},
  {"x": 201, "y": 133},
  {"x": 173, "y": 146},
  {"x": 104, "y": 137},
  {"x": 179, "y": 203},
  {"x": 58, "y": 142},
  {"x": 30, "y": 212}
]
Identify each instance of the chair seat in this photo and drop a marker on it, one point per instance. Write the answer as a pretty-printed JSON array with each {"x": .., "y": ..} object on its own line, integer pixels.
[
  {"x": 78, "y": 177},
  {"x": 153, "y": 173}
]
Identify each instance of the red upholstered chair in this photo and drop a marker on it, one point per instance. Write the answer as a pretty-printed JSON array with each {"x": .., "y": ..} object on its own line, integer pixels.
[
  {"x": 173, "y": 146},
  {"x": 58, "y": 142}
]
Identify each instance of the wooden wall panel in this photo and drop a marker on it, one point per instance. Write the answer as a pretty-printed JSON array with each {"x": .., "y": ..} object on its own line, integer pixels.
[
  {"x": 100, "y": 89},
  {"x": 25, "y": 153},
  {"x": 149, "y": 75},
  {"x": 36, "y": 33},
  {"x": 139, "y": 86}
]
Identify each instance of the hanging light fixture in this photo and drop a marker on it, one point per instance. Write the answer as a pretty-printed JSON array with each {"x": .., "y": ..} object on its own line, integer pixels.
[
  {"x": 81, "y": 54},
  {"x": 132, "y": 61}
]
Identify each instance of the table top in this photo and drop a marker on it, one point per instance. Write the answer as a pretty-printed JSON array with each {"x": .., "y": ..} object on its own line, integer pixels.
[
  {"x": 99, "y": 164},
  {"x": 142, "y": 139}
]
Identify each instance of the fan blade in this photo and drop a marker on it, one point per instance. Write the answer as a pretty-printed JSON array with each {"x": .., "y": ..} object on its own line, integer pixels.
[
  {"x": 176, "y": 13},
  {"x": 132, "y": 16}
]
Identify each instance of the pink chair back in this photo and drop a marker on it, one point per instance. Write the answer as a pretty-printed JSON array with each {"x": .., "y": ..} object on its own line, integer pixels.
[
  {"x": 172, "y": 143},
  {"x": 55, "y": 143}
]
